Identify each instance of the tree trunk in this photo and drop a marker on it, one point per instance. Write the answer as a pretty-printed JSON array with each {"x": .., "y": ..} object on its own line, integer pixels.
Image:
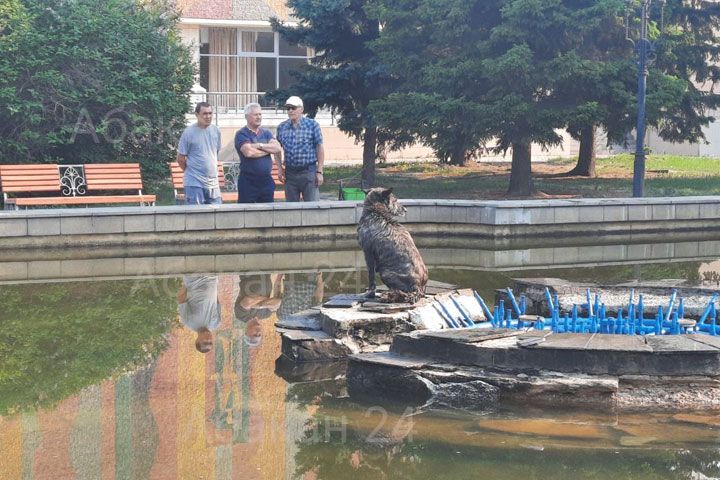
[
  {"x": 369, "y": 156},
  {"x": 521, "y": 183},
  {"x": 459, "y": 156},
  {"x": 588, "y": 153}
]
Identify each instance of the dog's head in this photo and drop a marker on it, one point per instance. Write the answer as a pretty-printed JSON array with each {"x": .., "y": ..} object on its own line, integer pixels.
[{"x": 383, "y": 198}]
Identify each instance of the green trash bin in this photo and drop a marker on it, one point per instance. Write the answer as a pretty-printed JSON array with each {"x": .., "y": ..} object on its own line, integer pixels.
[{"x": 353, "y": 194}]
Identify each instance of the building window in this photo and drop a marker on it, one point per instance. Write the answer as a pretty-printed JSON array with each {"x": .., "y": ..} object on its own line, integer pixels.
[{"x": 238, "y": 66}]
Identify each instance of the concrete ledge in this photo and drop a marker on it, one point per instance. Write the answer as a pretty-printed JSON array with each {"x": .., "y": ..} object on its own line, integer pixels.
[
  {"x": 243, "y": 255},
  {"x": 496, "y": 220}
]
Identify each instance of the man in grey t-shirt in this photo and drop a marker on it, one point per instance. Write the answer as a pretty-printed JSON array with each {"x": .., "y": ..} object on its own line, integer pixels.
[
  {"x": 197, "y": 157},
  {"x": 199, "y": 308}
]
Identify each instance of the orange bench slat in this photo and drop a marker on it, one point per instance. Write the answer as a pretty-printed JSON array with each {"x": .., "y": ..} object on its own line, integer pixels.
[
  {"x": 32, "y": 188},
  {"x": 113, "y": 175},
  {"x": 19, "y": 181},
  {"x": 135, "y": 174},
  {"x": 84, "y": 200},
  {"x": 176, "y": 175},
  {"x": 100, "y": 182},
  {"x": 108, "y": 166},
  {"x": 28, "y": 168},
  {"x": 29, "y": 178}
]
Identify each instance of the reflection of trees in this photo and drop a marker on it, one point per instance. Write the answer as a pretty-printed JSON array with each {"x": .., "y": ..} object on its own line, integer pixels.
[
  {"x": 706, "y": 462},
  {"x": 57, "y": 339},
  {"x": 136, "y": 439},
  {"x": 231, "y": 413},
  {"x": 329, "y": 451}
]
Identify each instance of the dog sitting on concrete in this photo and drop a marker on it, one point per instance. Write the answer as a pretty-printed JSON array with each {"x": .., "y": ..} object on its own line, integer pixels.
[{"x": 389, "y": 249}]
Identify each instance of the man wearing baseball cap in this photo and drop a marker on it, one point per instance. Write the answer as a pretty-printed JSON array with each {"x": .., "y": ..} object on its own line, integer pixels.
[{"x": 301, "y": 139}]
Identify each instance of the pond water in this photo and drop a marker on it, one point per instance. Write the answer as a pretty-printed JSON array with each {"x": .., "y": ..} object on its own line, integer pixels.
[{"x": 102, "y": 379}]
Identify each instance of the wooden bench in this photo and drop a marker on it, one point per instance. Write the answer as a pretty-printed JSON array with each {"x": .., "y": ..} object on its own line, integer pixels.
[
  {"x": 72, "y": 184},
  {"x": 228, "y": 189}
]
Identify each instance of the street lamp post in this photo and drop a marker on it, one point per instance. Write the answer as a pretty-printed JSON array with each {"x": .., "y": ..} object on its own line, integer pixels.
[{"x": 646, "y": 56}]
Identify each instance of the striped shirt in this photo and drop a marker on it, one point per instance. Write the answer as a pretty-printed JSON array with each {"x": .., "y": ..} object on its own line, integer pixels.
[{"x": 299, "y": 142}]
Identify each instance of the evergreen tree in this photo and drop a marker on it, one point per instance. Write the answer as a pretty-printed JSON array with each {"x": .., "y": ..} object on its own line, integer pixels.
[
  {"x": 344, "y": 75},
  {"x": 85, "y": 81},
  {"x": 681, "y": 84},
  {"x": 502, "y": 60},
  {"x": 427, "y": 45},
  {"x": 679, "y": 99},
  {"x": 603, "y": 85}
]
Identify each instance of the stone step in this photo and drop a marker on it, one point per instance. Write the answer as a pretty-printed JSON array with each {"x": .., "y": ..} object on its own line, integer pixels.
[
  {"x": 306, "y": 320},
  {"x": 593, "y": 354},
  {"x": 311, "y": 346},
  {"x": 419, "y": 381},
  {"x": 309, "y": 372}
]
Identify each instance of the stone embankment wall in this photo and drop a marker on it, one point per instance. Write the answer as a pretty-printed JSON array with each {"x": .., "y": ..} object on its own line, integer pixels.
[{"x": 498, "y": 222}]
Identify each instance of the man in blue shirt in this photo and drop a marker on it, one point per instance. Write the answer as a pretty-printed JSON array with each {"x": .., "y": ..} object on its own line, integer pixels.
[
  {"x": 301, "y": 141},
  {"x": 254, "y": 146},
  {"x": 197, "y": 157}
]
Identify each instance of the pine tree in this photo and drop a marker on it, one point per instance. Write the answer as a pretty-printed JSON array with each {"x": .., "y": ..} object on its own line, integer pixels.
[
  {"x": 678, "y": 95},
  {"x": 344, "y": 75},
  {"x": 500, "y": 60}
]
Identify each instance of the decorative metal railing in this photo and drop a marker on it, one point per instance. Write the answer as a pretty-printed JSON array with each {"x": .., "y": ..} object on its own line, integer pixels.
[
  {"x": 231, "y": 171},
  {"x": 72, "y": 180}
]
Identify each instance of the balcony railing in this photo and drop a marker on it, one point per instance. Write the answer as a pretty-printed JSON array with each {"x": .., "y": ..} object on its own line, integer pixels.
[{"x": 232, "y": 104}]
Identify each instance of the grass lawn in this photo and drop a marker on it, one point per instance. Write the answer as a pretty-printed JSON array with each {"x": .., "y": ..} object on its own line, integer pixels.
[{"x": 666, "y": 175}]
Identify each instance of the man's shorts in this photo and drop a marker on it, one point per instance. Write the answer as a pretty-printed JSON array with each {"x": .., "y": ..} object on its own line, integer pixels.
[{"x": 202, "y": 196}]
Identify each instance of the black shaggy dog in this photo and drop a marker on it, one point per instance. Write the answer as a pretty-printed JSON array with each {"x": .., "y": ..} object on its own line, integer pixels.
[{"x": 389, "y": 249}]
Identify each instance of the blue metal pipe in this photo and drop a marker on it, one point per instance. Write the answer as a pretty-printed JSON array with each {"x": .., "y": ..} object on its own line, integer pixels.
[
  {"x": 462, "y": 312},
  {"x": 485, "y": 309},
  {"x": 449, "y": 321},
  {"x": 513, "y": 302}
]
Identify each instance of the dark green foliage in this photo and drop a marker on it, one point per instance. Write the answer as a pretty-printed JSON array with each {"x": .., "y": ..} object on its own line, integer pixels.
[
  {"x": 85, "y": 81},
  {"x": 57, "y": 339},
  {"x": 431, "y": 47},
  {"x": 517, "y": 71},
  {"x": 489, "y": 70},
  {"x": 679, "y": 97},
  {"x": 344, "y": 75},
  {"x": 677, "y": 107}
]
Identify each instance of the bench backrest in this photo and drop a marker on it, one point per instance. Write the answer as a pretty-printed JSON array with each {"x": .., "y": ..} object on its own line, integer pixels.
[
  {"x": 275, "y": 174},
  {"x": 113, "y": 176},
  {"x": 29, "y": 178},
  {"x": 176, "y": 174}
]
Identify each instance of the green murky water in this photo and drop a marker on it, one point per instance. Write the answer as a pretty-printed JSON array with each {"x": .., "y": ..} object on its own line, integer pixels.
[{"x": 102, "y": 379}]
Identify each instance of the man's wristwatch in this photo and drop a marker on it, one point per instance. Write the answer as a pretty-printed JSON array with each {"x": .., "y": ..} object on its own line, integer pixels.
[{"x": 319, "y": 172}]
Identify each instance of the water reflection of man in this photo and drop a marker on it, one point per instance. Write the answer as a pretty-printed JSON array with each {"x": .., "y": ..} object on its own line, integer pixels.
[
  {"x": 300, "y": 292},
  {"x": 256, "y": 301},
  {"x": 200, "y": 309}
]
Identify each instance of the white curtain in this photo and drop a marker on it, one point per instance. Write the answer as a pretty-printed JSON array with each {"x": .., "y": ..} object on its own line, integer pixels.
[
  {"x": 248, "y": 69},
  {"x": 223, "y": 70}
]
